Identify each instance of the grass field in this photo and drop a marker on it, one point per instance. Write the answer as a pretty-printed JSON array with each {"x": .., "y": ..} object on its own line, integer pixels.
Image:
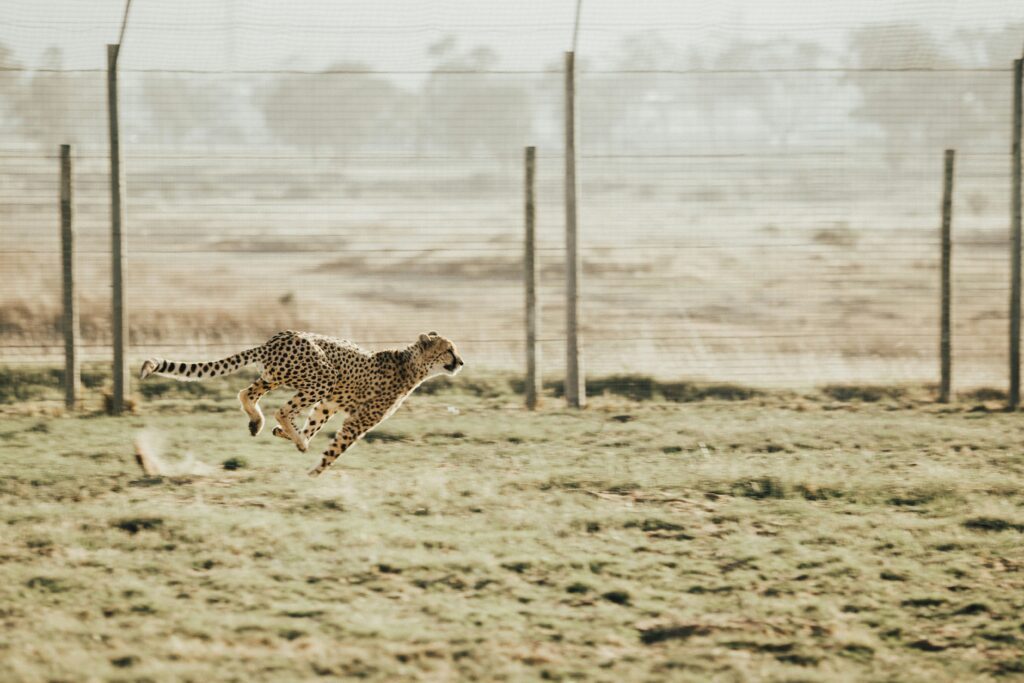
[{"x": 844, "y": 534}]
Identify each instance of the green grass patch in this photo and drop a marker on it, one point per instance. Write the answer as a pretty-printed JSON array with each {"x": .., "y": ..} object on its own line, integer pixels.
[{"x": 728, "y": 539}]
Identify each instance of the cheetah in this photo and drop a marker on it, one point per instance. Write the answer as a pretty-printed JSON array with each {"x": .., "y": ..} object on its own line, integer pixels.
[{"x": 330, "y": 376}]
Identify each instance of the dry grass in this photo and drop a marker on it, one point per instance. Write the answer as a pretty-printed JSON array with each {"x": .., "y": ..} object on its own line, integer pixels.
[{"x": 722, "y": 287}]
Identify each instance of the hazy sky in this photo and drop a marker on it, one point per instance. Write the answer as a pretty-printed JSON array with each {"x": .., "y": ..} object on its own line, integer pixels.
[{"x": 394, "y": 34}]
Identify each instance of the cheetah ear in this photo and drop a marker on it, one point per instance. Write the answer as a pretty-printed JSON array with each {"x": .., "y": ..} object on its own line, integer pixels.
[
  {"x": 431, "y": 334},
  {"x": 424, "y": 339}
]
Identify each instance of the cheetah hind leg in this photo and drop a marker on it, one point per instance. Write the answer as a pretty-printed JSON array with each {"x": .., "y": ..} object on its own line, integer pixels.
[{"x": 250, "y": 400}]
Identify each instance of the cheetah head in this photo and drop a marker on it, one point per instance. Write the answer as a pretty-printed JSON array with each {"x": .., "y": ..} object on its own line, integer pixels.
[{"x": 439, "y": 354}]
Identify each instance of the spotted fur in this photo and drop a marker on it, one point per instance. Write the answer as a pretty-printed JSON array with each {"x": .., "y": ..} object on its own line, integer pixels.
[{"x": 331, "y": 376}]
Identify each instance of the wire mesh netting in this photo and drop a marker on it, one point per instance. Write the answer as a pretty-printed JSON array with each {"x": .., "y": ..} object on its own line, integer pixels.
[{"x": 757, "y": 205}]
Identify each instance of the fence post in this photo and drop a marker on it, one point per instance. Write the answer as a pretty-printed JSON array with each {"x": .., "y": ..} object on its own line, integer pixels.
[
  {"x": 575, "y": 382},
  {"x": 945, "y": 333},
  {"x": 72, "y": 373},
  {"x": 533, "y": 383},
  {"x": 1015, "y": 232},
  {"x": 119, "y": 329}
]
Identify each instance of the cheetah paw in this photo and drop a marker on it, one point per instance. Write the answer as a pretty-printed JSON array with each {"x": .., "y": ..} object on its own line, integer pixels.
[
  {"x": 281, "y": 433},
  {"x": 255, "y": 427}
]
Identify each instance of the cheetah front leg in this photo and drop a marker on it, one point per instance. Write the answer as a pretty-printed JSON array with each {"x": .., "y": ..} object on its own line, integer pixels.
[
  {"x": 287, "y": 412},
  {"x": 315, "y": 421},
  {"x": 354, "y": 428}
]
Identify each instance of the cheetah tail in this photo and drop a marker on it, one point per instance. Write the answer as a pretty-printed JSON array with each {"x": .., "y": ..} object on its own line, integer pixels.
[{"x": 190, "y": 372}]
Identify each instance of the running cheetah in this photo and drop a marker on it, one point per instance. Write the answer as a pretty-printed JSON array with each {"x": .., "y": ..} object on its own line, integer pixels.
[{"x": 332, "y": 376}]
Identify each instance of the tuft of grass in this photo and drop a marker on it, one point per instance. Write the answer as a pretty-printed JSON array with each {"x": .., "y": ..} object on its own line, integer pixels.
[
  {"x": 659, "y": 634},
  {"x": 759, "y": 488},
  {"x": 47, "y": 584},
  {"x": 982, "y": 395},
  {"x": 651, "y": 524},
  {"x": 865, "y": 393},
  {"x": 646, "y": 388},
  {"x": 235, "y": 463},
  {"x": 689, "y": 392},
  {"x": 134, "y": 525},
  {"x": 619, "y": 597},
  {"x": 992, "y": 524},
  {"x": 124, "y": 662},
  {"x": 974, "y": 608},
  {"x": 923, "y": 602},
  {"x": 384, "y": 436}
]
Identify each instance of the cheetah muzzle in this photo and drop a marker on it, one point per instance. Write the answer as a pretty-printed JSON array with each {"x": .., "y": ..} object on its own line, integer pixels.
[{"x": 330, "y": 376}]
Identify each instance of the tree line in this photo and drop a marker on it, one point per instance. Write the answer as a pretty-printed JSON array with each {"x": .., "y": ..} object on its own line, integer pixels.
[{"x": 648, "y": 95}]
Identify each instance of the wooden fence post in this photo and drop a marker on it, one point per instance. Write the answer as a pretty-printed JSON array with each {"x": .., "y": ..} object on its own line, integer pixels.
[
  {"x": 119, "y": 329},
  {"x": 945, "y": 333},
  {"x": 575, "y": 382},
  {"x": 72, "y": 373},
  {"x": 530, "y": 274},
  {"x": 1015, "y": 232}
]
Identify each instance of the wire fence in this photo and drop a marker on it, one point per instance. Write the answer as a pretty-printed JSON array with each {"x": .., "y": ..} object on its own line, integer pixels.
[{"x": 763, "y": 213}]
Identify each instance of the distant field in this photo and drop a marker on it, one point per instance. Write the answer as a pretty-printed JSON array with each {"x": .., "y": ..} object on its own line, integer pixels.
[
  {"x": 773, "y": 271},
  {"x": 705, "y": 532}
]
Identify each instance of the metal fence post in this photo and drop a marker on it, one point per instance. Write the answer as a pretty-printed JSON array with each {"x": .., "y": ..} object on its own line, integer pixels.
[
  {"x": 945, "y": 333},
  {"x": 575, "y": 382},
  {"x": 533, "y": 382},
  {"x": 119, "y": 328},
  {"x": 1015, "y": 232},
  {"x": 72, "y": 373}
]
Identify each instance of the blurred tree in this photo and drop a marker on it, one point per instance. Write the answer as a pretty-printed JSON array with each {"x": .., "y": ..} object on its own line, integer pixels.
[
  {"x": 632, "y": 109},
  {"x": 191, "y": 109},
  {"x": 55, "y": 106},
  {"x": 923, "y": 110},
  {"x": 616, "y": 110},
  {"x": 992, "y": 47},
  {"x": 345, "y": 109},
  {"x": 775, "y": 99},
  {"x": 471, "y": 111},
  {"x": 644, "y": 100}
]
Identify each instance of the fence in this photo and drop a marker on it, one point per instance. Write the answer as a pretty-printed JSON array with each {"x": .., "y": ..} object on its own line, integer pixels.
[{"x": 770, "y": 217}]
